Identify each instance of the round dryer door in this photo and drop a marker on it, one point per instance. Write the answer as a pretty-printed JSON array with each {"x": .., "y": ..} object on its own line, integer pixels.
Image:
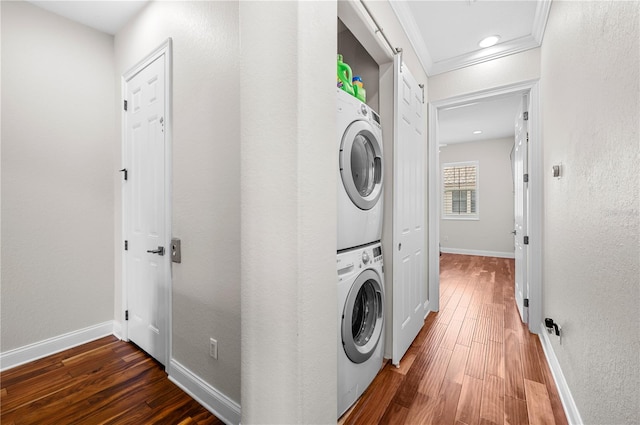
[
  {"x": 362, "y": 317},
  {"x": 361, "y": 165}
]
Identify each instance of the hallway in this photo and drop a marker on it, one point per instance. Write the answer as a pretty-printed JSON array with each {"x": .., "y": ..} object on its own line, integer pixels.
[{"x": 474, "y": 362}]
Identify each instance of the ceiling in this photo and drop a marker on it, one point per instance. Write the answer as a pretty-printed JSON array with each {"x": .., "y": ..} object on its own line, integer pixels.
[
  {"x": 494, "y": 117},
  {"x": 445, "y": 34},
  {"x": 105, "y": 16}
]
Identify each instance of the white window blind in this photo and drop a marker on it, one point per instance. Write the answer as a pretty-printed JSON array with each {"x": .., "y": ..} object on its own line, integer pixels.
[{"x": 460, "y": 189}]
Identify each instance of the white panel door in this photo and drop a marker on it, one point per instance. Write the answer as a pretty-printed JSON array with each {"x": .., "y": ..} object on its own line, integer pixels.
[
  {"x": 408, "y": 212},
  {"x": 144, "y": 208},
  {"x": 520, "y": 211}
]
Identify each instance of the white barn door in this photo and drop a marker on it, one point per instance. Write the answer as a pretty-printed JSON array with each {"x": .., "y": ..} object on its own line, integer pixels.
[{"x": 408, "y": 211}]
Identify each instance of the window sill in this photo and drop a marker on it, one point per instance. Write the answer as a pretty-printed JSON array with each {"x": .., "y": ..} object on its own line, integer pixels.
[{"x": 461, "y": 217}]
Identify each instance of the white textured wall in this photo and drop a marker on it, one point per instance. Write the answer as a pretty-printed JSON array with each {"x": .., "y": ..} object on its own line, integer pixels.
[
  {"x": 591, "y": 109},
  {"x": 289, "y": 163},
  {"x": 511, "y": 69},
  {"x": 492, "y": 232},
  {"x": 206, "y": 178},
  {"x": 58, "y": 162}
]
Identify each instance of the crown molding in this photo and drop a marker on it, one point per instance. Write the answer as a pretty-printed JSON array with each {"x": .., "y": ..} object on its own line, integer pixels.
[
  {"x": 485, "y": 55},
  {"x": 405, "y": 16},
  {"x": 540, "y": 20}
]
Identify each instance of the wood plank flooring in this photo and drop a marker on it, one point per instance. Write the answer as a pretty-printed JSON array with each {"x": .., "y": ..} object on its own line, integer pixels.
[
  {"x": 106, "y": 381},
  {"x": 473, "y": 363}
]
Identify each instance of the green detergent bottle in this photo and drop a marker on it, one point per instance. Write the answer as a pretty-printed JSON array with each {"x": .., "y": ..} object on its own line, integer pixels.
[{"x": 345, "y": 76}]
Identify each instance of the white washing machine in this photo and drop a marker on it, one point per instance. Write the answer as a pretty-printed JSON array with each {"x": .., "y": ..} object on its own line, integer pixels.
[
  {"x": 360, "y": 173},
  {"x": 360, "y": 321}
]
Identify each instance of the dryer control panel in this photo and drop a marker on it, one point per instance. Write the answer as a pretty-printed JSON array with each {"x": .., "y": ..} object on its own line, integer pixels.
[
  {"x": 376, "y": 117},
  {"x": 377, "y": 252}
]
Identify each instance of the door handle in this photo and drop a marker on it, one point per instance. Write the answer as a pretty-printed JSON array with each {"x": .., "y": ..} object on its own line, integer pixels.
[
  {"x": 513, "y": 232},
  {"x": 159, "y": 251}
]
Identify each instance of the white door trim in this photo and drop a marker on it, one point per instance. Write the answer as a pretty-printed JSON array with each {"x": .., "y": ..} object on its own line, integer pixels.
[
  {"x": 165, "y": 313},
  {"x": 534, "y": 272}
]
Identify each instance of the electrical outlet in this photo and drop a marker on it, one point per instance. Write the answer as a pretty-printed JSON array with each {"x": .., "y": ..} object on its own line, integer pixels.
[{"x": 213, "y": 348}]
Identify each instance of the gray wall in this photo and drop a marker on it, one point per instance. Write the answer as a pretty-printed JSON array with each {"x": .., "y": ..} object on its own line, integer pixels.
[
  {"x": 590, "y": 107},
  {"x": 206, "y": 178},
  {"x": 59, "y": 148},
  {"x": 491, "y": 234},
  {"x": 361, "y": 64}
]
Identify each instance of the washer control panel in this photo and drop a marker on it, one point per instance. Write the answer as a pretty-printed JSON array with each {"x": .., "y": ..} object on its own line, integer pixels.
[{"x": 354, "y": 260}]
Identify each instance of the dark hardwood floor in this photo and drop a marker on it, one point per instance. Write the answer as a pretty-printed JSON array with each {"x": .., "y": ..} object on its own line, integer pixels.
[
  {"x": 473, "y": 363},
  {"x": 106, "y": 381}
]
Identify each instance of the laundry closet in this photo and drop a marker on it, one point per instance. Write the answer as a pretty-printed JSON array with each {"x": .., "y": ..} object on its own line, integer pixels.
[{"x": 394, "y": 96}]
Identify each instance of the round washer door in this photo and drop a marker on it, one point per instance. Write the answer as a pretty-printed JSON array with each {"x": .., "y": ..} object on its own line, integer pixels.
[
  {"x": 361, "y": 164},
  {"x": 362, "y": 318}
]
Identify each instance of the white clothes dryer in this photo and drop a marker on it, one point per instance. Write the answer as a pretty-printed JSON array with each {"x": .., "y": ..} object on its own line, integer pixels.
[
  {"x": 360, "y": 321},
  {"x": 359, "y": 174}
]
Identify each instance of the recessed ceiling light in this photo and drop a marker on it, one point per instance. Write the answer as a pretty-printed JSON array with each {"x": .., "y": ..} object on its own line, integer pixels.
[
  {"x": 477, "y": 132},
  {"x": 489, "y": 41}
]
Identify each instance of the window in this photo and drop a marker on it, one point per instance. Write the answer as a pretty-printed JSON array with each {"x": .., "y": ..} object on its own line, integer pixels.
[{"x": 460, "y": 190}]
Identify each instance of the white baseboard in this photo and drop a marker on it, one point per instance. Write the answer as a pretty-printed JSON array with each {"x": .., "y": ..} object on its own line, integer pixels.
[
  {"x": 213, "y": 400},
  {"x": 478, "y": 252},
  {"x": 38, "y": 350},
  {"x": 117, "y": 329},
  {"x": 569, "y": 405}
]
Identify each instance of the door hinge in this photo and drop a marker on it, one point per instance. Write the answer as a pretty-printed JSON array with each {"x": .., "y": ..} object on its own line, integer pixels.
[
  {"x": 126, "y": 245},
  {"x": 525, "y": 178},
  {"x": 422, "y": 88},
  {"x": 126, "y": 315},
  {"x": 526, "y": 240},
  {"x": 125, "y": 105},
  {"x": 525, "y": 116},
  {"x": 526, "y": 302}
]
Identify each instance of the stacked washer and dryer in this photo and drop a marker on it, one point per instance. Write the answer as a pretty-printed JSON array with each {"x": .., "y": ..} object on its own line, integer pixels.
[{"x": 359, "y": 255}]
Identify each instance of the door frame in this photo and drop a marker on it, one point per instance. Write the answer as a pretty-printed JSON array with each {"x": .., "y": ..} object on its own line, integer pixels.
[
  {"x": 164, "y": 310},
  {"x": 535, "y": 210}
]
